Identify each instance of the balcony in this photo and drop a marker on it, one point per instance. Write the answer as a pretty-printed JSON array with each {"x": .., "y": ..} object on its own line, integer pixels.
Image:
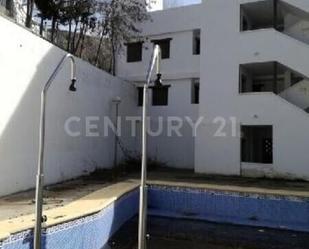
[
  {"x": 276, "y": 78},
  {"x": 276, "y": 14}
]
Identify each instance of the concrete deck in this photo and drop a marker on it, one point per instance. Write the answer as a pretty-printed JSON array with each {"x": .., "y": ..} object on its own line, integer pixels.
[
  {"x": 86, "y": 205},
  {"x": 229, "y": 183},
  {"x": 85, "y": 196}
]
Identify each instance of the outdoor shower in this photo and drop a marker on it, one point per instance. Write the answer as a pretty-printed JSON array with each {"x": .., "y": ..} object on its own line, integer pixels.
[
  {"x": 155, "y": 59},
  {"x": 40, "y": 170},
  {"x": 39, "y": 219}
]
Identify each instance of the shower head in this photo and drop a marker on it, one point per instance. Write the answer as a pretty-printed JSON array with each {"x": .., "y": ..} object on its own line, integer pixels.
[
  {"x": 158, "y": 81},
  {"x": 72, "y": 87}
]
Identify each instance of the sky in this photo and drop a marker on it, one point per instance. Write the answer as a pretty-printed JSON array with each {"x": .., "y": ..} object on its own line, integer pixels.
[{"x": 173, "y": 3}]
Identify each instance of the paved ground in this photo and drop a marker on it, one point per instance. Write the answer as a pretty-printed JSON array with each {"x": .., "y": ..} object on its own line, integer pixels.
[
  {"x": 87, "y": 205},
  {"x": 62, "y": 194},
  {"x": 263, "y": 183},
  {"x": 58, "y": 195}
]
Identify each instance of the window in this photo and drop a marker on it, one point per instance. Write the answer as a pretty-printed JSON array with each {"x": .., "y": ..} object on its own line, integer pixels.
[
  {"x": 160, "y": 96},
  {"x": 245, "y": 25},
  {"x": 140, "y": 96},
  {"x": 165, "y": 47},
  {"x": 195, "y": 91},
  {"x": 257, "y": 144},
  {"x": 243, "y": 84},
  {"x": 196, "y": 42},
  {"x": 262, "y": 15},
  {"x": 134, "y": 51}
]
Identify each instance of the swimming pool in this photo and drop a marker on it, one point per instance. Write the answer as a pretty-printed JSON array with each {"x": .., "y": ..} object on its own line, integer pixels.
[
  {"x": 94, "y": 231},
  {"x": 174, "y": 233}
]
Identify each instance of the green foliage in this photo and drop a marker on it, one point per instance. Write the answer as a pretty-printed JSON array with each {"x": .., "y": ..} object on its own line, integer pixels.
[{"x": 94, "y": 30}]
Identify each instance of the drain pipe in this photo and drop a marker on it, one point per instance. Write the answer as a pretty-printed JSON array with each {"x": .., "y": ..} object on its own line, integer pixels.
[
  {"x": 142, "y": 223},
  {"x": 117, "y": 102},
  {"x": 40, "y": 170}
]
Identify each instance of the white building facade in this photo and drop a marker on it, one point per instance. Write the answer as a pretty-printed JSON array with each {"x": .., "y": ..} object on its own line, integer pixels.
[
  {"x": 177, "y": 37},
  {"x": 240, "y": 65}
]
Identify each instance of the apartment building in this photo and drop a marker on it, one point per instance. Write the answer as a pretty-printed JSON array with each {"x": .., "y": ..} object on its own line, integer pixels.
[
  {"x": 181, "y": 71},
  {"x": 241, "y": 65}
]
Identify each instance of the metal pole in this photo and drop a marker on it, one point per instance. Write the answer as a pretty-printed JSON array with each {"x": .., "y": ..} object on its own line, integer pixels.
[
  {"x": 40, "y": 178},
  {"x": 143, "y": 186},
  {"x": 117, "y": 101},
  {"x": 142, "y": 223},
  {"x": 40, "y": 170},
  {"x": 275, "y": 81}
]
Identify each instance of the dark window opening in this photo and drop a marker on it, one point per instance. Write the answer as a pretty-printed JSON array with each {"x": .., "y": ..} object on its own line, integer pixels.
[
  {"x": 196, "y": 42},
  {"x": 160, "y": 96},
  {"x": 245, "y": 25},
  {"x": 267, "y": 77},
  {"x": 195, "y": 97},
  {"x": 257, "y": 87},
  {"x": 263, "y": 15},
  {"x": 134, "y": 51},
  {"x": 165, "y": 47},
  {"x": 140, "y": 93},
  {"x": 243, "y": 84},
  {"x": 257, "y": 144}
]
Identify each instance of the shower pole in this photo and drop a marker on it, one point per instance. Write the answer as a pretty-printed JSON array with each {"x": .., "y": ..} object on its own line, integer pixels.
[
  {"x": 40, "y": 170},
  {"x": 142, "y": 223},
  {"x": 117, "y": 102}
]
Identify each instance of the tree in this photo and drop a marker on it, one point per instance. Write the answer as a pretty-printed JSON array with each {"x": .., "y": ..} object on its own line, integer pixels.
[
  {"x": 71, "y": 13},
  {"x": 124, "y": 18},
  {"x": 100, "y": 27},
  {"x": 45, "y": 11},
  {"x": 118, "y": 24},
  {"x": 29, "y": 13},
  {"x": 78, "y": 15},
  {"x": 51, "y": 10},
  {"x": 9, "y": 7}
]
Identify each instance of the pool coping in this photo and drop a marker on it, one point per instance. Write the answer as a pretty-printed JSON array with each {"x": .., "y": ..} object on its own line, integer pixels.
[
  {"x": 100, "y": 199},
  {"x": 87, "y": 205},
  {"x": 232, "y": 188}
]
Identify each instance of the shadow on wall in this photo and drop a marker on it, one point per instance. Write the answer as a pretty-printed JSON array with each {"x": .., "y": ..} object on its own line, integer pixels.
[{"x": 26, "y": 63}]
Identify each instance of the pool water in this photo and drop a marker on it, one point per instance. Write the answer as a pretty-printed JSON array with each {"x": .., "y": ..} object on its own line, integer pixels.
[{"x": 168, "y": 233}]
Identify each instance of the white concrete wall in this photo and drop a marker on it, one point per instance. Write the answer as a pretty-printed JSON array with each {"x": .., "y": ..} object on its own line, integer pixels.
[
  {"x": 179, "y": 3},
  {"x": 178, "y": 71},
  {"x": 298, "y": 94},
  {"x": 26, "y": 63},
  {"x": 297, "y": 28},
  {"x": 165, "y": 24},
  {"x": 174, "y": 150},
  {"x": 182, "y": 64},
  {"x": 171, "y": 20},
  {"x": 301, "y": 4},
  {"x": 296, "y": 24},
  {"x": 224, "y": 48}
]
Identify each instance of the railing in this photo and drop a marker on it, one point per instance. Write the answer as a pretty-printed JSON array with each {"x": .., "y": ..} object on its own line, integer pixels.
[{"x": 298, "y": 94}]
